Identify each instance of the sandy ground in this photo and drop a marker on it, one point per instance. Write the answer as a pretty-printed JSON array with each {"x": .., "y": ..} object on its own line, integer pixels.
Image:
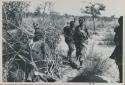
[
  {"x": 103, "y": 50},
  {"x": 98, "y": 51}
]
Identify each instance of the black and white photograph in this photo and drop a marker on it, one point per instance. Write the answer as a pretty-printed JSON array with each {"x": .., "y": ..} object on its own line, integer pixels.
[{"x": 61, "y": 41}]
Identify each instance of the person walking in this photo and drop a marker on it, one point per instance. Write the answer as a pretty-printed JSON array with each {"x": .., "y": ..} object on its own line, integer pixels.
[
  {"x": 81, "y": 40},
  {"x": 68, "y": 34}
]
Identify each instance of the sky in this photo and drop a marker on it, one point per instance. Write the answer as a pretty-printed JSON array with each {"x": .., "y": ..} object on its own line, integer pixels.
[{"x": 113, "y": 7}]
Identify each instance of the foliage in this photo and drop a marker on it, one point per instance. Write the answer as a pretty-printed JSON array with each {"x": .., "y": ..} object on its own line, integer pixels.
[
  {"x": 93, "y": 10},
  {"x": 17, "y": 43},
  {"x": 14, "y": 11}
]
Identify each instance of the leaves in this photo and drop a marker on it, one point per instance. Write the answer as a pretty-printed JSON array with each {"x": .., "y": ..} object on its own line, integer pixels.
[{"x": 93, "y": 9}]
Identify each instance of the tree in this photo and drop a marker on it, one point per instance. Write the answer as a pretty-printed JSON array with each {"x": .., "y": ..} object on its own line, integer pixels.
[
  {"x": 14, "y": 11},
  {"x": 94, "y": 9}
]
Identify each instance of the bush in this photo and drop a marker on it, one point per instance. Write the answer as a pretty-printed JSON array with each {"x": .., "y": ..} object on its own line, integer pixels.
[{"x": 108, "y": 39}]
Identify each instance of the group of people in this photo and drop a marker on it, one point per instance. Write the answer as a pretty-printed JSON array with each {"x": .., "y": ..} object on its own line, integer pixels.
[{"x": 76, "y": 37}]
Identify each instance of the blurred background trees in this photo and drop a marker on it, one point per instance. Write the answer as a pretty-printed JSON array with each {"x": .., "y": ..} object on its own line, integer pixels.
[{"x": 94, "y": 9}]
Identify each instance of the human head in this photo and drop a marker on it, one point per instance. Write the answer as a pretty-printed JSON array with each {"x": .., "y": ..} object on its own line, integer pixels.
[
  {"x": 72, "y": 23},
  {"x": 120, "y": 20},
  {"x": 35, "y": 25},
  {"x": 81, "y": 20}
]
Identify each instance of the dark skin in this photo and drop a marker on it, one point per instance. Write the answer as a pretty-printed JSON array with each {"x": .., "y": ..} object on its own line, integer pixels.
[
  {"x": 68, "y": 33},
  {"x": 70, "y": 47},
  {"x": 81, "y": 27},
  {"x": 72, "y": 24},
  {"x": 81, "y": 24},
  {"x": 80, "y": 36},
  {"x": 37, "y": 33}
]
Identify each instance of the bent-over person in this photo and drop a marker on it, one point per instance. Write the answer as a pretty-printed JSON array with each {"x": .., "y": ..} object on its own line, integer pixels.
[{"x": 38, "y": 33}]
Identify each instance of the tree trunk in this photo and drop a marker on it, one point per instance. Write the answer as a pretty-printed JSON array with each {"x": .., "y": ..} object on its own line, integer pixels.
[{"x": 94, "y": 23}]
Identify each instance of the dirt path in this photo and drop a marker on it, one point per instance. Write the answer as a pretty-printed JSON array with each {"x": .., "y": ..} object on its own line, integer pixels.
[
  {"x": 97, "y": 52},
  {"x": 104, "y": 51}
]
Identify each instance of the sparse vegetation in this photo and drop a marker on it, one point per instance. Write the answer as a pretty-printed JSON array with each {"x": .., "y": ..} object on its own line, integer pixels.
[{"x": 18, "y": 31}]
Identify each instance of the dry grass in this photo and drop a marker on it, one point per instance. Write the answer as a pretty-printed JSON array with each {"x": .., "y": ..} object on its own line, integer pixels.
[{"x": 56, "y": 47}]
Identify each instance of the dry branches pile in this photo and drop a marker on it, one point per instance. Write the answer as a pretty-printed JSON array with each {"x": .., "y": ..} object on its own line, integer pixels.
[{"x": 19, "y": 58}]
